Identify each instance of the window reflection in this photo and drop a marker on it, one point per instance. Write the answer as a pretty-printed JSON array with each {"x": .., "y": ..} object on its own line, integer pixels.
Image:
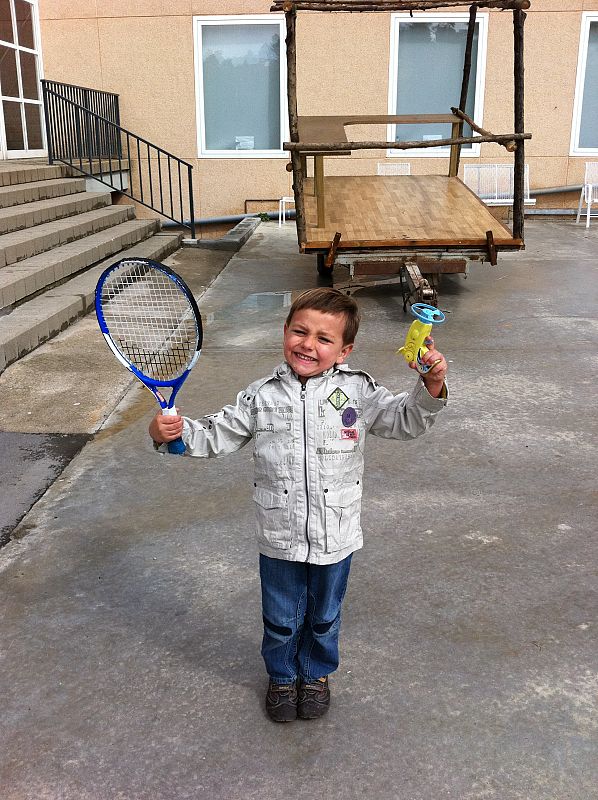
[
  {"x": 8, "y": 72},
  {"x": 24, "y": 23},
  {"x": 29, "y": 75},
  {"x": 430, "y": 71},
  {"x": 13, "y": 125},
  {"x": 34, "y": 126},
  {"x": 241, "y": 78},
  {"x": 6, "y": 34}
]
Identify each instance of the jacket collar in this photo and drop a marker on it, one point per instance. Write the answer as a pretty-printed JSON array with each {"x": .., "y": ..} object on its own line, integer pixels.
[{"x": 283, "y": 371}]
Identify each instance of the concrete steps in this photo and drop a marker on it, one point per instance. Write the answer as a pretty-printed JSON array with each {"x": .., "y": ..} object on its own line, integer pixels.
[
  {"x": 36, "y": 213},
  {"x": 28, "y": 277},
  {"x": 55, "y": 240},
  {"x": 39, "y": 190}
]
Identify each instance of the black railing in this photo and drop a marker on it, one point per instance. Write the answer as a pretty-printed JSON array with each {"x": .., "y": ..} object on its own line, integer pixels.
[{"x": 83, "y": 130}]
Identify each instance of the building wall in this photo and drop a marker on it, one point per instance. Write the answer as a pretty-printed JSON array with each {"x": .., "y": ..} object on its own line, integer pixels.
[{"x": 144, "y": 51}]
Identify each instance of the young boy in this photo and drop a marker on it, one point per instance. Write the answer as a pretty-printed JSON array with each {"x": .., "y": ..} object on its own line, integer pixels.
[{"x": 309, "y": 421}]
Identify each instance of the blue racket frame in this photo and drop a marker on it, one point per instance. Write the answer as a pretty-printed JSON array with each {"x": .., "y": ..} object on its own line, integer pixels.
[{"x": 176, "y": 447}]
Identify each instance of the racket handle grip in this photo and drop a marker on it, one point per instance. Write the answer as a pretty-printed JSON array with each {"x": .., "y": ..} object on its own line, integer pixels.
[{"x": 177, "y": 447}]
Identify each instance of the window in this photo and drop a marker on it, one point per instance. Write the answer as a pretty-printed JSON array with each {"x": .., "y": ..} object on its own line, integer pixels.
[
  {"x": 426, "y": 70},
  {"x": 241, "y": 80},
  {"x": 21, "y": 130},
  {"x": 584, "y": 135}
]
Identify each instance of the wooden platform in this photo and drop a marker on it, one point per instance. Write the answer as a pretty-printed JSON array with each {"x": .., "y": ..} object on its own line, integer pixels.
[{"x": 402, "y": 212}]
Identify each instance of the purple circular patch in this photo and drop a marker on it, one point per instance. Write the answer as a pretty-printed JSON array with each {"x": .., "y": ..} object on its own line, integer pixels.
[{"x": 349, "y": 417}]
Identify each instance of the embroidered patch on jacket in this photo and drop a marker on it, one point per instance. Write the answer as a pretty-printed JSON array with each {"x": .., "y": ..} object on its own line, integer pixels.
[
  {"x": 338, "y": 399},
  {"x": 349, "y": 417},
  {"x": 349, "y": 433}
]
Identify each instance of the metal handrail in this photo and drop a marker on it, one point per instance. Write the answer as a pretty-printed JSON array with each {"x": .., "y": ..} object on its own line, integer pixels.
[{"x": 93, "y": 143}]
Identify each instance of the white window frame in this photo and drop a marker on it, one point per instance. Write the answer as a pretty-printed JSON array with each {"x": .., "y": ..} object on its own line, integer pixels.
[
  {"x": 5, "y": 153},
  {"x": 237, "y": 19},
  {"x": 436, "y": 152},
  {"x": 587, "y": 17}
]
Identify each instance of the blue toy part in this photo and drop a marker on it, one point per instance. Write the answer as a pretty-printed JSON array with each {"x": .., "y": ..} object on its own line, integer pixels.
[
  {"x": 429, "y": 315},
  {"x": 422, "y": 367},
  {"x": 176, "y": 448}
]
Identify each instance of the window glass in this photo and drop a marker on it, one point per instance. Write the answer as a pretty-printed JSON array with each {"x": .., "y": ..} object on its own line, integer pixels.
[
  {"x": 34, "y": 126},
  {"x": 13, "y": 125},
  {"x": 588, "y": 129},
  {"x": 24, "y": 23},
  {"x": 29, "y": 75},
  {"x": 241, "y": 86},
  {"x": 429, "y": 75},
  {"x": 8, "y": 72},
  {"x": 6, "y": 34}
]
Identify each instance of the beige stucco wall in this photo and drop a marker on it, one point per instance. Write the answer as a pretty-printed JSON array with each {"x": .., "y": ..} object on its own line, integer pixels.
[{"x": 143, "y": 50}]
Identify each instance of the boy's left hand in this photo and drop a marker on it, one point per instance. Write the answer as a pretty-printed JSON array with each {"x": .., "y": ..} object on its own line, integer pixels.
[{"x": 434, "y": 379}]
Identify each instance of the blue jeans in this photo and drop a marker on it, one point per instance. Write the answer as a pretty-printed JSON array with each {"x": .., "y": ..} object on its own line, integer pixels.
[{"x": 301, "y": 606}]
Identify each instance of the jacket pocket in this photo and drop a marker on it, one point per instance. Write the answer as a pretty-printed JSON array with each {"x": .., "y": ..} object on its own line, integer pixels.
[
  {"x": 343, "y": 509},
  {"x": 273, "y": 520}
]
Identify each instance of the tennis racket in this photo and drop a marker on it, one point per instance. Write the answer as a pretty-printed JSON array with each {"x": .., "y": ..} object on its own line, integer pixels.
[{"x": 152, "y": 324}]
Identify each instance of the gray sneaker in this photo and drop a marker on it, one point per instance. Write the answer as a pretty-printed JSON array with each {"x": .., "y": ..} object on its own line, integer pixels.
[
  {"x": 281, "y": 702},
  {"x": 314, "y": 699}
]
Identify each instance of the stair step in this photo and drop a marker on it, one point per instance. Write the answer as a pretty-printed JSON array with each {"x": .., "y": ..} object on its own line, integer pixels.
[
  {"x": 34, "y": 322},
  {"x": 39, "y": 190},
  {"x": 17, "y": 246},
  {"x": 40, "y": 272},
  {"x": 40, "y": 211},
  {"x": 27, "y": 172}
]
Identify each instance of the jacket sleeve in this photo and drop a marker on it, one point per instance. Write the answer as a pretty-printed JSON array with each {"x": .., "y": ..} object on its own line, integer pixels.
[
  {"x": 402, "y": 416},
  {"x": 222, "y": 433}
]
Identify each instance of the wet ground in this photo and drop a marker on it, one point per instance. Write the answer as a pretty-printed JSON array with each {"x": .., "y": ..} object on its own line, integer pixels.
[
  {"x": 130, "y": 622},
  {"x": 53, "y": 400},
  {"x": 30, "y": 463}
]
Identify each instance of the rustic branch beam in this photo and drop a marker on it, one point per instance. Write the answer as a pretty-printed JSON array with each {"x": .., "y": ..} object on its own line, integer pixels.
[
  {"x": 510, "y": 146},
  {"x": 392, "y": 5},
  {"x": 458, "y": 131},
  {"x": 296, "y": 160},
  {"x": 519, "y": 165},
  {"x": 318, "y": 147}
]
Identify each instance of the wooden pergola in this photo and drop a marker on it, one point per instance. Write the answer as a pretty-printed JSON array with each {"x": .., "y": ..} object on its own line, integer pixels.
[{"x": 319, "y": 136}]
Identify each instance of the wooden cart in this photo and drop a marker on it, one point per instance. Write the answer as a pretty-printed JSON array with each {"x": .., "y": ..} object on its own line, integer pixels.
[{"x": 389, "y": 228}]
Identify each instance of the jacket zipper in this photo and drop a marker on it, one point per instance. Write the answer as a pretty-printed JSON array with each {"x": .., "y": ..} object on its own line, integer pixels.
[{"x": 305, "y": 471}]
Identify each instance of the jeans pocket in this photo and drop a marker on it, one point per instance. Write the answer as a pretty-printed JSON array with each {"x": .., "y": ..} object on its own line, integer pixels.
[
  {"x": 343, "y": 508},
  {"x": 273, "y": 519}
]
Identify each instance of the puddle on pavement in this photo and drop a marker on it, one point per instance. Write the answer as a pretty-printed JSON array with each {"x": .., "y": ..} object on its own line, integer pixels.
[
  {"x": 141, "y": 405},
  {"x": 259, "y": 302}
]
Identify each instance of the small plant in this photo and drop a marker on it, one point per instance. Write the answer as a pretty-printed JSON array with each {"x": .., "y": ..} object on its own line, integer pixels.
[{"x": 263, "y": 215}]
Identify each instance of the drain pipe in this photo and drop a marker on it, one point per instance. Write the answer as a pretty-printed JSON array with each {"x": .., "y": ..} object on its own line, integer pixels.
[
  {"x": 290, "y": 214},
  {"x": 556, "y": 190},
  {"x": 553, "y": 212}
]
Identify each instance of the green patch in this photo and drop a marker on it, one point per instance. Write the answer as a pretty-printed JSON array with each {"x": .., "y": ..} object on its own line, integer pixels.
[{"x": 338, "y": 399}]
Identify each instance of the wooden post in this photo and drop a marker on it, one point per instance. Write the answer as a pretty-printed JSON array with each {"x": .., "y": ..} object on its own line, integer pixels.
[
  {"x": 454, "y": 162},
  {"x": 519, "y": 167},
  {"x": 291, "y": 43},
  {"x": 455, "y": 150},
  {"x": 319, "y": 189}
]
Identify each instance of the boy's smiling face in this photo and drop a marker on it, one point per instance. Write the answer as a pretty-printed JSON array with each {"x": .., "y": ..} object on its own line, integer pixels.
[{"x": 313, "y": 342}]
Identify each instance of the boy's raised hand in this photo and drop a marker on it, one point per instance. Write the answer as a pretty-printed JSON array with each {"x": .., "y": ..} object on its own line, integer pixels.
[
  {"x": 164, "y": 428},
  {"x": 434, "y": 379}
]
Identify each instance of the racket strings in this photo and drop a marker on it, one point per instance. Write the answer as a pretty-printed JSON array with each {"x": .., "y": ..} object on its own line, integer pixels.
[{"x": 150, "y": 320}]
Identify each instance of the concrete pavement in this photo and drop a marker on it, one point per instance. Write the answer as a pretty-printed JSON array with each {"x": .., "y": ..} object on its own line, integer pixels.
[{"x": 130, "y": 616}]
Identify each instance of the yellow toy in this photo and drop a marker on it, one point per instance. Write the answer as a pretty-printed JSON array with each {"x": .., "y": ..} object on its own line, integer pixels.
[{"x": 414, "y": 347}]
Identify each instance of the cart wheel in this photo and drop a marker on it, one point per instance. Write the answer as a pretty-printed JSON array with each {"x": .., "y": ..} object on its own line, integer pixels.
[{"x": 323, "y": 270}]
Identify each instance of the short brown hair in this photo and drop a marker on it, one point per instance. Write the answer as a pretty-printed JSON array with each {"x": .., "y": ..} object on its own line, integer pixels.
[{"x": 330, "y": 301}]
